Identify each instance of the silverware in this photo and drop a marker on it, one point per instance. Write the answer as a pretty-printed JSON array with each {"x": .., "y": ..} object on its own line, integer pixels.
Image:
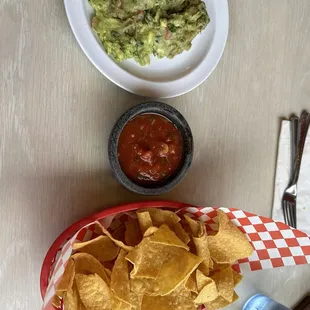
[
  {"x": 294, "y": 126},
  {"x": 290, "y": 194}
]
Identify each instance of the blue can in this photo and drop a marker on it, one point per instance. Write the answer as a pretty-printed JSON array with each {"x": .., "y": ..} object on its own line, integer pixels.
[{"x": 262, "y": 302}]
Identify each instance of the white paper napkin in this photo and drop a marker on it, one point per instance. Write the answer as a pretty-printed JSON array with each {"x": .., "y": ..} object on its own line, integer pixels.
[{"x": 283, "y": 176}]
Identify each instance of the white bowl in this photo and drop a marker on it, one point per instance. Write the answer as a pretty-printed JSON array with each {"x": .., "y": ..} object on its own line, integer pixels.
[{"x": 163, "y": 78}]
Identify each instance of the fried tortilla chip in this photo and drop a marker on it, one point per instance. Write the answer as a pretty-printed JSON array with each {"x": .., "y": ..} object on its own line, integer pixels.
[
  {"x": 217, "y": 303},
  {"x": 66, "y": 280},
  {"x": 193, "y": 225},
  {"x": 202, "y": 250},
  {"x": 180, "y": 299},
  {"x": 176, "y": 270},
  {"x": 117, "y": 242},
  {"x": 236, "y": 297},
  {"x": 181, "y": 233},
  {"x": 211, "y": 262},
  {"x": 108, "y": 272},
  {"x": 164, "y": 235},
  {"x": 170, "y": 272},
  {"x": 108, "y": 266},
  {"x": 220, "y": 302},
  {"x": 201, "y": 279},
  {"x": 237, "y": 277},
  {"x": 72, "y": 299},
  {"x": 120, "y": 285},
  {"x": 145, "y": 220},
  {"x": 94, "y": 292},
  {"x": 219, "y": 266},
  {"x": 147, "y": 258},
  {"x": 190, "y": 284},
  {"x": 160, "y": 217},
  {"x": 56, "y": 302},
  {"x": 119, "y": 233},
  {"x": 102, "y": 248},
  {"x": 144, "y": 286},
  {"x": 225, "y": 283},
  {"x": 208, "y": 293},
  {"x": 116, "y": 223},
  {"x": 229, "y": 244},
  {"x": 85, "y": 263},
  {"x": 120, "y": 305},
  {"x": 150, "y": 231},
  {"x": 133, "y": 234}
]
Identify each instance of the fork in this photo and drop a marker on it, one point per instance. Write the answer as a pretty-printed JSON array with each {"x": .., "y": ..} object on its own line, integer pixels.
[
  {"x": 294, "y": 128},
  {"x": 290, "y": 194}
]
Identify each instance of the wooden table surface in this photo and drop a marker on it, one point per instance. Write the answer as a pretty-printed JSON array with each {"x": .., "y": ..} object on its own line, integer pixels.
[{"x": 56, "y": 112}]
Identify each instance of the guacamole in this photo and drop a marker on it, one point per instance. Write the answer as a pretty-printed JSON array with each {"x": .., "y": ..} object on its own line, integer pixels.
[{"x": 138, "y": 28}]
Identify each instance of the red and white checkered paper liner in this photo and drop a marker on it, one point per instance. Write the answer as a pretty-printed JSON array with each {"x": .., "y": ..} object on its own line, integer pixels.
[{"x": 275, "y": 244}]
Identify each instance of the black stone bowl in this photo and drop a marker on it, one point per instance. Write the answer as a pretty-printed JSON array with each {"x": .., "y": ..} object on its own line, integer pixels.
[{"x": 179, "y": 121}]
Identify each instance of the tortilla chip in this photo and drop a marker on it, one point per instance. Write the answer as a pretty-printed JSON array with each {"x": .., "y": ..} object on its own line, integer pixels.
[
  {"x": 94, "y": 292},
  {"x": 225, "y": 283},
  {"x": 237, "y": 277},
  {"x": 176, "y": 270},
  {"x": 236, "y": 297},
  {"x": 160, "y": 217},
  {"x": 144, "y": 286},
  {"x": 72, "y": 299},
  {"x": 150, "y": 231},
  {"x": 193, "y": 225},
  {"x": 119, "y": 305},
  {"x": 116, "y": 223},
  {"x": 180, "y": 299},
  {"x": 216, "y": 304},
  {"x": 202, "y": 250},
  {"x": 56, "y": 302},
  {"x": 132, "y": 234},
  {"x": 145, "y": 220},
  {"x": 117, "y": 242},
  {"x": 211, "y": 262},
  {"x": 120, "y": 285},
  {"x": 190, "y": 284},
  {"x": 108, "y": 272},
  {"x": 192, "y": 247},
  {"x": 219, "y": 266},
  {"x": 119, "y": 233},
  {"x": 85, "y": 263},
  {"x": 208, "y": 293},
  {"x": 167, "y": 237},
  {"x": 168, "y": 273},
  {"x": 220, "y": 302},
  {"x": 66, "y": 280},
  {"x": 181, "y": 233},
  {"x": 108, "y": 266},
  {"x": 148, "y": 258},
  {"x": 201, "y": 280},
  {"x": 229, "y": 244},
  {"x": 102, "y": 248}
]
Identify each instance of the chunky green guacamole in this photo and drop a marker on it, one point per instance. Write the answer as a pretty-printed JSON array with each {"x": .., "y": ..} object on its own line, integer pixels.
[{"x": 138, "y": 28}]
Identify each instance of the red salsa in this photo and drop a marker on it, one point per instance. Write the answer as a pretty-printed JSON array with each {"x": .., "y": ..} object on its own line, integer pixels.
[{"x": 150, "y": 148}]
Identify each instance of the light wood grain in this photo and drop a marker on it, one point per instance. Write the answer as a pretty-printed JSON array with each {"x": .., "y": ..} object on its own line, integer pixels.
[{"x": 56, "y": 112}]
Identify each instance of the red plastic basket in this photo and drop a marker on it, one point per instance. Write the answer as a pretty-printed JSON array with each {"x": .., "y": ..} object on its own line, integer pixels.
[
  {"x": 56, "y": 247},
  {"x": 275, "y": 244}
]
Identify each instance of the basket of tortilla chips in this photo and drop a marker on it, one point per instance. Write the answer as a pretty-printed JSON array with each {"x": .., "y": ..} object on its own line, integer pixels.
[{"x": 163, "y": 255}]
